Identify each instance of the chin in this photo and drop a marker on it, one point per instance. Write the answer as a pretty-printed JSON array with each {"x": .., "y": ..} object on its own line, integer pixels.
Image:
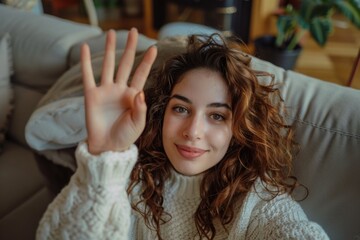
[{"x": 186, "y": 171}]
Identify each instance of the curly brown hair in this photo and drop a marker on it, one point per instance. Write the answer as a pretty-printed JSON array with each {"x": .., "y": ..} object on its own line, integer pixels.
[{"x": 261, "y": 147}]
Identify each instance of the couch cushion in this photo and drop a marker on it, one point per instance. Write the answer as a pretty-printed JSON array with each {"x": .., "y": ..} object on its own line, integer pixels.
[
  {"x": 41, "y": 44},
  {"x": 97, "y": 45},
  {"x": 174, "y": 29},
  {"x": 6, "y": 92},
  {"x": 20, "y": 177},
  {"x": 26, "y": 100},
  {"x": 326, "y": 117},
  {"x": 327, "y": 120},
  {"x": 24, "y": 195},
  {"x": 23, "y": 221}
]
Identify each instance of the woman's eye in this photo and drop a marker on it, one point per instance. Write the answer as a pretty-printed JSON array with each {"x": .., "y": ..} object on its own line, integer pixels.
[
  {"x": 217, "y": 117},
  {"x": 180, "y": 109}
]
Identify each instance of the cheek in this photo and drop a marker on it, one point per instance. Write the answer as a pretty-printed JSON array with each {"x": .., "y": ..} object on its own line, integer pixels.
[{"x": 221, "y": 138}]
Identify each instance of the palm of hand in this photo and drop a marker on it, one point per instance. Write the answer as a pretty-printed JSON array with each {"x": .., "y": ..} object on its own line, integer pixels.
[
  {"x": 115, "y": 112},
  {"x": 109, "y": 111}
]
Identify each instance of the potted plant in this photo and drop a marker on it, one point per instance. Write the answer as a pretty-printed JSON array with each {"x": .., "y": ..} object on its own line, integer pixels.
[{"x": 312, "y": 16}]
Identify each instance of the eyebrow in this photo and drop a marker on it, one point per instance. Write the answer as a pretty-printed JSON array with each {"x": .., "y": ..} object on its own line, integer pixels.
[{"x": 216, "y": 104}]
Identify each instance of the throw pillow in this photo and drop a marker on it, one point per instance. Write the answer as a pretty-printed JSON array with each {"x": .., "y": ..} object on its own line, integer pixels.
[{"x": 6, "y": 92}]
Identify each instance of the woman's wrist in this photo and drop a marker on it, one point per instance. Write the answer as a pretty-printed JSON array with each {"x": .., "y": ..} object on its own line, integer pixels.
[
  {"x": 97, "y": 150},
  {"x": 105, "y": 169}
]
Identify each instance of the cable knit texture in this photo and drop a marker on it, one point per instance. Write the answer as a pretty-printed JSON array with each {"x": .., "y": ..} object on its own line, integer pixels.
[{"x": 95, "y": 205}]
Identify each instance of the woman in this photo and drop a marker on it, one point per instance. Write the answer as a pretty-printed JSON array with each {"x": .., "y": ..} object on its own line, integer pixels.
[{"x": 214, "y": 156}]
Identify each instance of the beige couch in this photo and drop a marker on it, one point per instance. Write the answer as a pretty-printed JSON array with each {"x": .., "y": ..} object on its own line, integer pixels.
[
  {"x": 48, "y": 110},
  {"x": 42, "y": 48},
  {"x": 39, "y": 53}
]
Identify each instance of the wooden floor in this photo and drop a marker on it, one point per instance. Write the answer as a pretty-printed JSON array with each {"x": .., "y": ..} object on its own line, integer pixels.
[{"x": 335, "y": 61}]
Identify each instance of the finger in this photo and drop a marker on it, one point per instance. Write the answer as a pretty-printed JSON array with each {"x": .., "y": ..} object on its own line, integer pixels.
[
  {"x": 142, "y": 71},
  {"x": 86, "y": 68},
  {"x": 127, "y": 59},
  {"x": 139, "y": 111},
  {"x": 107, "y": 75}
]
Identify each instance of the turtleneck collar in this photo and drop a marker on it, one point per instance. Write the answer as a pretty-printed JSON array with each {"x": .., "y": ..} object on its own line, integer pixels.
[{"x": 183, "y": 186}]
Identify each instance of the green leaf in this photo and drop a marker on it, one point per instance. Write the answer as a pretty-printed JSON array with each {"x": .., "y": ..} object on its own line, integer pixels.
[
  {"x": 286, "y": 27},
  {"x": 302, "y": 22},
  {"x": 355, "y": 4},
  {"x": 306, "y": 8},
  {"x": 320, "y": 29},
  {"x": 351, "y": 10},
  {"x": 281, "y": 29},
  {"x": 310, "y": 9}
]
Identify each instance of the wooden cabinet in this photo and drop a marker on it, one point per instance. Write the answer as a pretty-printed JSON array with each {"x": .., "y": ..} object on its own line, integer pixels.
[{"x": 262, "y": 20}]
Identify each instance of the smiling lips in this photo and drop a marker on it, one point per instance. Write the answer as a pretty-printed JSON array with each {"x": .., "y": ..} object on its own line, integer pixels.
[{"x": 190, "y": 152}]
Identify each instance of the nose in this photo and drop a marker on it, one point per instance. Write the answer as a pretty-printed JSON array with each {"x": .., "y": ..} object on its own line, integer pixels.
[{"x": 194, "y": 128}]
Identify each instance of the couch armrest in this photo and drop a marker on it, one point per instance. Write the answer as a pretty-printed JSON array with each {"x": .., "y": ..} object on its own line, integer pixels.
[{"x": 41, "y": 44}]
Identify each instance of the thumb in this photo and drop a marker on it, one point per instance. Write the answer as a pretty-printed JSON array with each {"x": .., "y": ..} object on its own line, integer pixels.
[{"x": 139, "y": 111}]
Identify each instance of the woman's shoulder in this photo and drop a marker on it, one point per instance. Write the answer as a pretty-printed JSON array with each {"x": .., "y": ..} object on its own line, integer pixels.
[
  {"x": 268, "y": 197},
  {"x": 279, "y": 215}
]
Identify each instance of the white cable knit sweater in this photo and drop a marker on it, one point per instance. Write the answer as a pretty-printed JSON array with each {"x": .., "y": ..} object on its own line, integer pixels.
[{"x": 95, "y": 205}]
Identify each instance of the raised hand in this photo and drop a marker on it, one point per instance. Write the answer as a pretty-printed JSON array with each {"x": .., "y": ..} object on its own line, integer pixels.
[{"x": 115, "y": 111}]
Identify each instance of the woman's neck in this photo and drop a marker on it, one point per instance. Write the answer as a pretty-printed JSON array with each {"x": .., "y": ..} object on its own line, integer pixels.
[{"x": 183, "y": 186}]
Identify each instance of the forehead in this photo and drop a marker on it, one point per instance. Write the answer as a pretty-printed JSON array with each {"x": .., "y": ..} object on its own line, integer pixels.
[{"x": 203, "y": 84}]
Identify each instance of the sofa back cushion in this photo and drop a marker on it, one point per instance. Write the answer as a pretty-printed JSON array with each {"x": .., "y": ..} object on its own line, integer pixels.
[
  {"x": 6, "y": 92},
  {"x": 40, "y": 51},
  {"x": 41, "y": 44},
  {"x": 326, "y": 117},
  {"x": 97, "y": 45}
]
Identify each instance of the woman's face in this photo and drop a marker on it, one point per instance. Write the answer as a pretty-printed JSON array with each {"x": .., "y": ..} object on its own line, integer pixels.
[{"x": 197, "y": 127}]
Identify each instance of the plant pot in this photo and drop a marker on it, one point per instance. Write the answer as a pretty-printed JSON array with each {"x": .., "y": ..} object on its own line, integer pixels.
[{"x": 265, "y": 49}]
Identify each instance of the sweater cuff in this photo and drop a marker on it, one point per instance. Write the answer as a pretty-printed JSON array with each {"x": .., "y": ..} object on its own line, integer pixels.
[{"x": 106, "y": 169}]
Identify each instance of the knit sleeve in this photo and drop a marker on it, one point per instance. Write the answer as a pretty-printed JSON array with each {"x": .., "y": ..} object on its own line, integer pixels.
[
  {"x": 94, "y": 205},
  {"x": 282, "y": 218}
]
